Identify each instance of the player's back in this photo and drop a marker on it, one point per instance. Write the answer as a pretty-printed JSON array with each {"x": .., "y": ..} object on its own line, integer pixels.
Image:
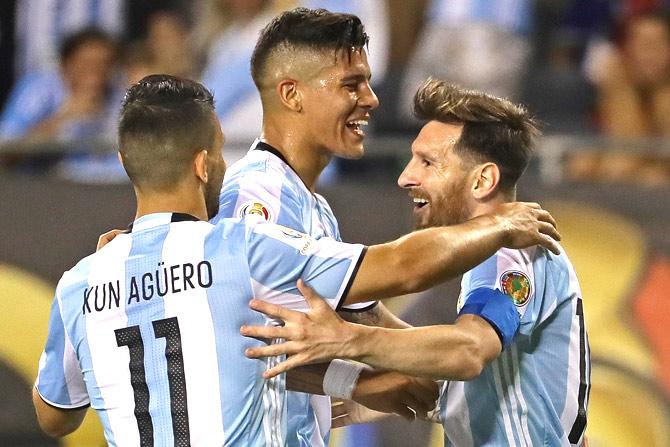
[{"x": 154, "y": 319}]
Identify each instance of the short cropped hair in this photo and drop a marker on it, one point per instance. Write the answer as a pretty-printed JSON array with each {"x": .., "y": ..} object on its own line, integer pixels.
[
  {"x": 314, "y": 29},
  {"x": 165, "y": 121},
  {"x": 74, "y": 41},
  {"x": 494, "y": 129}
]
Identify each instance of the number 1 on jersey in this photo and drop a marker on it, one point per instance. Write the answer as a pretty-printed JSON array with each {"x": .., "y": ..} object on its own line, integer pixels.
[{"x": 131, "y": 337}]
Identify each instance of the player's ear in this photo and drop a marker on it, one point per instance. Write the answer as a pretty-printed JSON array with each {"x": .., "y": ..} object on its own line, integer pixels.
[
  {"x": 200, "y": 165},
  {"x": 485, "y": 181},
  {"x": 289, "y": 94}
]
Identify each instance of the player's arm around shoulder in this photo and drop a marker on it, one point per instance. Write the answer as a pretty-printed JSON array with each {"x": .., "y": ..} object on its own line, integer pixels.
[{"x": 457, "y": 352}]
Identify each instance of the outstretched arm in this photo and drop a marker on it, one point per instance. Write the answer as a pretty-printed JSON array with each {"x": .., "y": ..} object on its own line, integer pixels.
[
  {"x": 427, "y": 257},
  {"x": 457, "y": 351}
]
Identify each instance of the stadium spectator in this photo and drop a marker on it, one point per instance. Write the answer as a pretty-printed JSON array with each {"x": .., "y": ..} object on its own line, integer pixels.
[
  {"x": 42, "y": 25},
  {"x": 72, "y": 102},
  {"x": 76, "y": 103},
  {"x": 478, "y": 44},
  {"x": 633, "y": 89},
  {"x": 466, "y": 159},
  {"x": 633, "y": 81}
]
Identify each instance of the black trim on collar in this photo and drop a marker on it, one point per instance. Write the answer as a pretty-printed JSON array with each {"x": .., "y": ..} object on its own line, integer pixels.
[
  {"x": 176, "y": 217},
  {"x": 182, "y": 217},
  {"x": 263, "y": 146}
]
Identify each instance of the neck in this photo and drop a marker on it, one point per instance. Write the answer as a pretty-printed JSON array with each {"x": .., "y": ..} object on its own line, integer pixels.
[
  {"x": 488, "y": 206},
  {"x": 305, "y": 159},
  {"x": 181, "y": 200}
]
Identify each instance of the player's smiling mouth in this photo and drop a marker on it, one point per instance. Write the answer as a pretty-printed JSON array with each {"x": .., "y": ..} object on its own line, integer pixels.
[
  {"x": 356, "y": 126},
  {"x": 420, "y": 202}
]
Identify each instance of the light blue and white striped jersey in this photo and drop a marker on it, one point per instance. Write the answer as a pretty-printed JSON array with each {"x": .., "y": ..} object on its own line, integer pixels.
[
  {"x": 146, "y": 330},
  {"x": 536, "y": 391},
  {"x": 263, "y": 183}
]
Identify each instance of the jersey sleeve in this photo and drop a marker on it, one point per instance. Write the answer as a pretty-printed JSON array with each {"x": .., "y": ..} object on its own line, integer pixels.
[
  {"x": 512, "y": 273},
  {"x": 278, "y": 256},
  {"x": 60, "y": 381},
  {"x": 257, "y": 192}
]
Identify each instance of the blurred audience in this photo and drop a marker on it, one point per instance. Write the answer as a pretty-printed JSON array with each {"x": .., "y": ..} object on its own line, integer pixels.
[
  {"x": 633, "y": 79},
  {"x": 74, "y": 101},
  {"x": 41, "y": 26},
  {"x": 77, "y": 102},
  {"x": 475, "y": 43},
  {"x": 633, "y": 87},
  {"x": 228, "y": 32}
]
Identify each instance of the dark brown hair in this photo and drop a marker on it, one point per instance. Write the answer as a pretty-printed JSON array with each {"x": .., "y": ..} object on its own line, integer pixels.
[
  {"x": 316, "y": 29},
  {"x": 494, "y": 129}
]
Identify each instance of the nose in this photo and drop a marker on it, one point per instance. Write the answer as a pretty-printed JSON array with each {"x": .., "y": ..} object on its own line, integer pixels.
[
  {"x": 407, "y": 178},
  {"x": 368, "y": 97}
]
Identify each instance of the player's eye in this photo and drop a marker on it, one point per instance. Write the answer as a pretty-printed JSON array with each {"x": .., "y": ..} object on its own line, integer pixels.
[{"x": 425, "y": 162}]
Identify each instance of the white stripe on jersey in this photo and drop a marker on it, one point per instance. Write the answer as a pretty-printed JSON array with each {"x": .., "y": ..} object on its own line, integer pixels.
[
  {"x": 509, "y": 391},
  {"x": 519, "y": 394},
  {"x": 186, "y": 244},
  {"x": 457, "y": 420},
  {"x": 76, "y": 387},
  {"x": 273, "y": 406},
  {"x": 503, "y": 402},
  {"x": 110, "y": 363}
]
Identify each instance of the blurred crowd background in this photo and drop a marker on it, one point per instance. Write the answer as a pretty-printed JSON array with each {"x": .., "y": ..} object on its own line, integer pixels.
[
  {"x": 584, "y": 67},
  {"x": 595, "y": 72}
]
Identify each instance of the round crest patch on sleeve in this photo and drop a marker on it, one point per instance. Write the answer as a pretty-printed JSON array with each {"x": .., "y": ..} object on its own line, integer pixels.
[
  {"x": 255, "y": 208},
  {"x": 516, "y": 285}
]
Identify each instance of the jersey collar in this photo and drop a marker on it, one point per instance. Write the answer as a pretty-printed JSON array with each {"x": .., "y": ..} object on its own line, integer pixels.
[{"x": 156, "y": 219}]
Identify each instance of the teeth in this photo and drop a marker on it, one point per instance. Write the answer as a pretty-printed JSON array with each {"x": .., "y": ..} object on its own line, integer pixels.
[
  {"x": 358, "y": 123},
  {"x": 419, "y": 200}
]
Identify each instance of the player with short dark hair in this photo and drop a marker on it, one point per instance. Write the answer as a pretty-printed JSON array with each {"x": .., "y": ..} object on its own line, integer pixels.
[
  {"x": 310, "y": 68},
  {"x": 146, "y": 330},
  {"x": 527, "y": 386}
]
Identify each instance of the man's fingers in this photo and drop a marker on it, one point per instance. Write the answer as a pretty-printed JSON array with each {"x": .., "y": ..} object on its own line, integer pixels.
[
  {"x": 265, "y": 331},
  {"x": 271, "y": 350},
  {"x": 312, "y": 298},
  {"x": 288, "y": 364},
  {"x": 341, "y": 421},
  {"x": 106, "y": 238},
  {"x": 546, "y": 216},
  {"x": 551, "y": 245},
  {"x": 338, "y": 408},
  {"x": 273, "y": 310},
  {"x": 549, "y": 230}
]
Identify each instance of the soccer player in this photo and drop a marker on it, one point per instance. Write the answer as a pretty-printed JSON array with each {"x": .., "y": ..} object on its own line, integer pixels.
[
  {"x": 146, "y": 330},
  {"x": 525, "y": 390},
  {"x": 311, "y": 70}
]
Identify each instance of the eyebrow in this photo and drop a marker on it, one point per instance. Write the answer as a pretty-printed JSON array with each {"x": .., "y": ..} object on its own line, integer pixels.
[{"x": 356, "y": 77}]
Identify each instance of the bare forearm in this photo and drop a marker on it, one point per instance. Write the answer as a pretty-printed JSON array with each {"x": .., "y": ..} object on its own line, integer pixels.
[
  {"x": 456, "y": 352},
  {"x": 379, "y": 315},
  {"x": 424, "y": 258},
  {"x": 307, "y": 379}
]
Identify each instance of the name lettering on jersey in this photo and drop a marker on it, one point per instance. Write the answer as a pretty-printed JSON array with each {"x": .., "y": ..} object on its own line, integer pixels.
[{"x": 158, "y": 283}]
